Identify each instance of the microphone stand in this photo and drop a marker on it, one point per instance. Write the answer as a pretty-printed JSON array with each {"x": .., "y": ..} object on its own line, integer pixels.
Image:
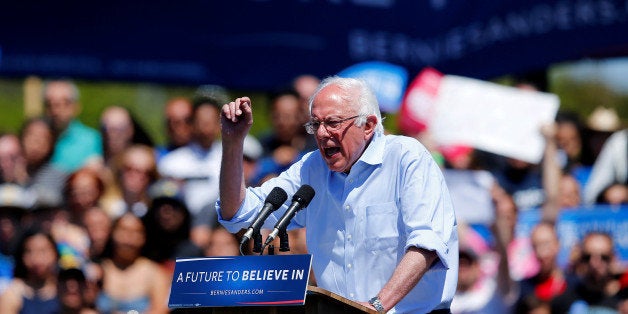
[
  {"x": 257, "y": 242},
  {"x": 284, "y": 245}
]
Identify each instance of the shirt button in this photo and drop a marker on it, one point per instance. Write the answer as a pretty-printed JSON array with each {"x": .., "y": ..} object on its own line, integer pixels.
[
  {"x": 351, "y": 295},
  {"x": 349, "y": 237},
  {"x": 349, "y": 266},
  {"x": 350, "y": 180},
  {"x": 347, "y": 207}
]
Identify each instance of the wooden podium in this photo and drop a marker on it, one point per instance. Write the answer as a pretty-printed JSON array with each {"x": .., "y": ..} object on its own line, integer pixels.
[{"x": 317, "y": 301}]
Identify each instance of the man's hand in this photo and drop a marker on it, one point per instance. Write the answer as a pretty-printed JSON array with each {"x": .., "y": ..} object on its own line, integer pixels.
[{"x": 236, "y": 118}]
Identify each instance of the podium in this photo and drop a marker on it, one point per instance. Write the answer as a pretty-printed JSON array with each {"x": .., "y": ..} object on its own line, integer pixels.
[{"x": 317, "y": 301}]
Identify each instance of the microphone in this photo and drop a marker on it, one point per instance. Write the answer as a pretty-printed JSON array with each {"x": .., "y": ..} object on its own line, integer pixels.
[
  {"x": 300, "y": 199},
  {"x": 273, "y": 201}
]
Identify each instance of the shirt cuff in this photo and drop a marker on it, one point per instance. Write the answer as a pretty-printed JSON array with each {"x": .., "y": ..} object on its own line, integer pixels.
[
  {"x": 429, "y": 240},
  {"x": 242, "y": 217}
]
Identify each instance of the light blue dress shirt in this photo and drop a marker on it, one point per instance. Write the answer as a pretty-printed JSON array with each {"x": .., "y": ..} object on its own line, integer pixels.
[{"x": 359, "y": 225}]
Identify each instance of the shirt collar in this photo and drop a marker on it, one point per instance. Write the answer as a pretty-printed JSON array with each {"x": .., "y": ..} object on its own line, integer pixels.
[{"x": 374, "y": 152}]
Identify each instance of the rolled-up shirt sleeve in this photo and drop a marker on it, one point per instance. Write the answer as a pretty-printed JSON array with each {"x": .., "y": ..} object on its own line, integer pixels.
[
  {"x": 289, "y": 181},
  {"x": 245, "y": 214},
  {"x": 427, "y": 210}
]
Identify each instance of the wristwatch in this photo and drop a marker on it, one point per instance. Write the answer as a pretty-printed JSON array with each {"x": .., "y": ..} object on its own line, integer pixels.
[{"x": 377, "y": 304}]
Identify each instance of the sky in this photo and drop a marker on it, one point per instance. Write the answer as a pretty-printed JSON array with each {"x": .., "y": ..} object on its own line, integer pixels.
[{"x": 611, "y": 72}]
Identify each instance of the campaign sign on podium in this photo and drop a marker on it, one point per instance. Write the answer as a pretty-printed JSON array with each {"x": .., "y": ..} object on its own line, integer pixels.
[{"x": 240, "y": 281}]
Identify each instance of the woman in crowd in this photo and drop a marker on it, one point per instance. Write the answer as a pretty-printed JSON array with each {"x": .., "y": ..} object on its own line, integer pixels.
[
  {"x": 44, "y": 180},
  {"x": 131, "y": 282},
  {"x": 82, "y": 192},
  {"x": 168, "y": 224},
  {"x": 34, "y": 287},
  {"x": 133, "y": 176}
]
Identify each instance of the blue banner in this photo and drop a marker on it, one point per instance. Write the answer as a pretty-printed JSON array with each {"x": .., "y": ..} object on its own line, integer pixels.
[
  {"x": 573, "y": 224},
  {"x": 240, "y": 281},
  {"x": 265, "y": 44}
]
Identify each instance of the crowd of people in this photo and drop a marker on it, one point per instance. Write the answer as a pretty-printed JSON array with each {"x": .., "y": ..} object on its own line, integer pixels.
[{"x": 92, "y": 220}]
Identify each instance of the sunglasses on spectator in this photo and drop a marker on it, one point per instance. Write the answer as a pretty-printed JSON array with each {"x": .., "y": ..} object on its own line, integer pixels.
[
  {"x": 143, "y": 171},
  {"x": 586, "y": 257}
]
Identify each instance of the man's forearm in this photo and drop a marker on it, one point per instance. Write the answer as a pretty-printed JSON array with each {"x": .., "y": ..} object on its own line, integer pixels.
[
  {"x": 407, "y": 274},
  {"x": 232, "y": 188}
]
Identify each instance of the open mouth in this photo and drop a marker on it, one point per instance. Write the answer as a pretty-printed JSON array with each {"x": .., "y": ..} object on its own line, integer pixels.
[{"x": 331, "y": 151}]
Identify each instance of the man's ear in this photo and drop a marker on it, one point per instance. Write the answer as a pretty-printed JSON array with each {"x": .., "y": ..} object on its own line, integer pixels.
[{"x": 370, "y": 125}]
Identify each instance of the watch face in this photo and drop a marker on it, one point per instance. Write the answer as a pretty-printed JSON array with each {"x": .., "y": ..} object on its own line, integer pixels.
[{"x": 377, "y": 304}]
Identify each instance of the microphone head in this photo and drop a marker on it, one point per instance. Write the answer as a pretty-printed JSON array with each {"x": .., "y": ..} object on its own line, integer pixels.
[
  {"x": 304, "y": 195},
  {"x": 277, "y": 197}
]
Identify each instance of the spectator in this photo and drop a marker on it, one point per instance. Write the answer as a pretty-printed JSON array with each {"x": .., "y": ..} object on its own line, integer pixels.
[
  {"x": 130, "y": 280},
  {"x": 34, "y": 287},
  {"x": 573, "y": 146},
  {"x": 523, "y": 181},
  {"x": 197, "y": 166},
  {"x": 135, "y": 173},
  {"x": 593, "y": 287},
  {"x": 119, "y": 131},
  {"x": 98, "y": 226},
  {"x": 286, "y": 142},
  {"x": 12, "y": 162},
  {"x": 72, "y": 292},
  {"x": 610, "y": 167},
  {"x": 44, "y": 180},
  {"x": 223, "y": 243},
  {"x": 569, "y": 192},
  {"x": 77, "y": 144},
  {"x": 82, "y": 192},
  {"x": 305, "y": 85},
  {"x": 521, "y": 260},
  {"x": 287, "y": 129},
  {"x": 616, "y": 194},
  {"x": 481, "y": 288},
  {"x": 168, "y": 223},
  {"x": 10, "y": 216},
  {"x": 550, "y": 281},
  {"x": 178, "y": 114}
]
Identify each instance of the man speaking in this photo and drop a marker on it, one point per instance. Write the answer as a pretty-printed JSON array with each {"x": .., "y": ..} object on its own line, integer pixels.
[{"x": 381, "y": 227}]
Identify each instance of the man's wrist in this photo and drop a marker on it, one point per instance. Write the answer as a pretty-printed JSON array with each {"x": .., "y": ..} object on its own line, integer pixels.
[{"x": 377, "y": 304}]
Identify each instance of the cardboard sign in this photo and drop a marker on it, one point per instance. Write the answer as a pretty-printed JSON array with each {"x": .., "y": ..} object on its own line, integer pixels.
[
  {"x": 464, "y": 111},
  {"x": 240, "y": 281}
]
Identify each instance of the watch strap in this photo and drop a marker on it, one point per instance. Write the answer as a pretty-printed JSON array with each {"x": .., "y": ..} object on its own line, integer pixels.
[{"x": 377, "y": 304}]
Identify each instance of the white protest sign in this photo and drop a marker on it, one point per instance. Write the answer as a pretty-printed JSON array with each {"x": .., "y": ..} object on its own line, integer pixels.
[{"x": 492, "y": 117}]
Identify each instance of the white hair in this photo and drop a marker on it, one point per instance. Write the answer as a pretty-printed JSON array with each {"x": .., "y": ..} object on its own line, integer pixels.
[{"x": 357, "y": 94}]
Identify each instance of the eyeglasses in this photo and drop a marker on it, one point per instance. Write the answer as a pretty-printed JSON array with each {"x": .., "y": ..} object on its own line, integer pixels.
[
  {"x": 330, "y": 125},
  {"x": 586, "y": 257}
]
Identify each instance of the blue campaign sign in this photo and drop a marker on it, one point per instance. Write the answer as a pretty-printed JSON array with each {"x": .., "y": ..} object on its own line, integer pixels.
[
  {"x": 240, "y": 281},
  {"x": 573, "y": 224},
  {"x": 387, "y": 80}
]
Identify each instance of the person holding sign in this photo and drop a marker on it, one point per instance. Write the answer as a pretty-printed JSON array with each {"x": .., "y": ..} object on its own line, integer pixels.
[{"x": 381, "y": 227}]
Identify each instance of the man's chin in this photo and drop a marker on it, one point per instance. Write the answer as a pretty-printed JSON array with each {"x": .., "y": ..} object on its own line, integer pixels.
[{"x": 335, "y": 166}]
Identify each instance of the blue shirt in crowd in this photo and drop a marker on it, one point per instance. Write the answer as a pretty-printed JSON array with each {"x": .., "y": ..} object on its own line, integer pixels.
[{"x": 75, "y": 146}]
